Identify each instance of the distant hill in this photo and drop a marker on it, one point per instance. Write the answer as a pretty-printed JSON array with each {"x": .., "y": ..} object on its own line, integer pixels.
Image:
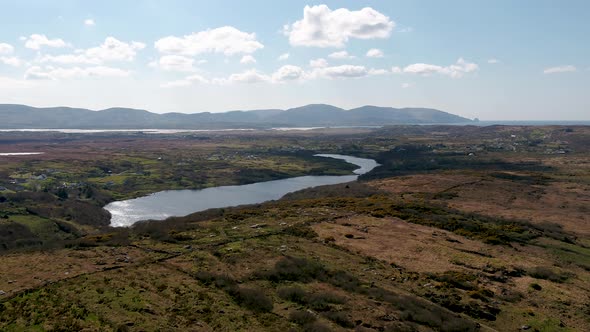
[{"x": 26, "y": 117}]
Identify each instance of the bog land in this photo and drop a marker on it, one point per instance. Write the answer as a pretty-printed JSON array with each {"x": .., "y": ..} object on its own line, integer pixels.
[{"x": 461, "y": 228}]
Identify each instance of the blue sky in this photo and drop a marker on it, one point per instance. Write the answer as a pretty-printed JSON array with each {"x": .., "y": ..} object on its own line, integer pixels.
[{"x": 495, "y": 60}]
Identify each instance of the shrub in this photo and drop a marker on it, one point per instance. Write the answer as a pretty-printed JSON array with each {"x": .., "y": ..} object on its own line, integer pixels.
[
  {"x": 340, "y": 318},
  {"x": 296, "y": 269},
  {"x": 546, "y": 273},
  {"x": 302, "y": 317},
  {"x": 294, "y": 294},
  {"x": 301, "y": 230},
  {"x": 253, "y": 299}
]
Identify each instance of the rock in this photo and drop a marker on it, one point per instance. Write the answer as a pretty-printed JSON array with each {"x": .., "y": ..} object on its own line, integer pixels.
[
  {"x": 188, "y": 247},
  {"x": 525, "y": 327},
  {"x": 2, "y": 292}
]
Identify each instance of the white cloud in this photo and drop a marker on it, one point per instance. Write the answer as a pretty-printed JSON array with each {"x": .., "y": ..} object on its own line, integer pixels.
[
  {"x": 283, "y": 57},
  {"x": 174, "y": 63},
  {"x": 247, "y": 59},
  {"x": 344, "y": 71},
  {"x": 288, "y": 73},
  {"x": 423, "y": 69},
  {"x": 341, "y": 55},
  {"x": 560, "y": 69},
  {"x": 227, "y": 40},
  {"x": 6, "y": 48},
  {"x": 36, "y": 41},
  {"x": 396, "y": 70},
  {"x": 111, "y": 49},
  {"x": 114, "y": 50},
  {"x": 493, "y": 61},
  {"x": 406, "y": 29},
  {"x": 11, "y": 61},
  {"x": 53, "y": 73},
  {"x": 375, "y": 72},
  {"x": 374, "y": 53},
  {"x": 68, "y": 59},
  {"x": 89, "y": 22},
  {"x": 407, "y": 85},
  {"x": 202, "y": 61},
  {"x": 197, "y": 78},
  {"x": 456, "y": 70},
  {"x": 318, "y": 63},
  {"x": 322, "y": 27},
  {"x": 190, "y": 80},
  {"x": 249, "y": 76}
]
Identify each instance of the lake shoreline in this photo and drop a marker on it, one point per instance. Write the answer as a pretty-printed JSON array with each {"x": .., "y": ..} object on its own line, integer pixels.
[{"x": 175, "y": 203}]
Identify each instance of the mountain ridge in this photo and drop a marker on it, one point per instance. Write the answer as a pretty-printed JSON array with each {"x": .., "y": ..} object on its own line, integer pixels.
[{"x": 16, "y": 116}]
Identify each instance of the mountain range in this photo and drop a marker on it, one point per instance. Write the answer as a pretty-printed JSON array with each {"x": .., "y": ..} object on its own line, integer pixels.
[{"x": 315, "y": 115}]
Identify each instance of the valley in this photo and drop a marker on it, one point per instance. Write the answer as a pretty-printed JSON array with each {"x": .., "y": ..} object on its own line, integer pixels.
[{"x": 461, "y": 228}]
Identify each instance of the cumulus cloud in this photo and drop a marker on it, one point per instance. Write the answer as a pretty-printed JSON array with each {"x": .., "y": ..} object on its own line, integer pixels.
[
  {"x": 284, "y": 74},
  {"x": 456, "y": 70},
  {"x": 174, "y": 63},
  {"x": 560, "y": 69},
  {"x": 493, "y": 61},
  {"x": 249, "y": 77},
  {"x": 89, "y": 22},
  {"x": 374, "y": 53},
  {"x": 115, "y": 50},
  {"x": 247, "y": 59},
  {"x": 375, "y": 72},
  {"x": 189, "y": 80},
  {"x": 396, "y": 70},
  {"x": 36, "y": 41},
  {"x": 227, "y": 40},
  {"x": 288, "y": 73},
  {"x": 111, "y": 49},
  {"x": 341, "y": 55},
  {"x": 53, "y": 73},
  {"x": 318, "y": 63},
  {"x": 6, "y": 48},
  {"x": 344, "y": 71},
  {"x": 10, "y": 61},
  {"x": 283, "y": 57},
  {"x": 323, "y": 27}
]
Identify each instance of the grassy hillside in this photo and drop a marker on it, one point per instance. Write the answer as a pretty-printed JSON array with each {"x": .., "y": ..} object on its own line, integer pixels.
[{"x": 461, "y": 229}]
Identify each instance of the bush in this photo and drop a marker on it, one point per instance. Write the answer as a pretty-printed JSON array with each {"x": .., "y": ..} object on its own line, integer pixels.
[
  {"x": 294, "y": 294},
  {"x": 253, "y": 299},
  {"x": 302, "y": 317},
  {"x": 301, "y": 230},
  {"x": 340, "y": 318},
  {"x": 546, "y": 273},
  {"x": 296, "y": 269}
]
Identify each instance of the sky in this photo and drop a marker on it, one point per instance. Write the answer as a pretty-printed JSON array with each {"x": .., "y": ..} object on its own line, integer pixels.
[{"x": 494, "y": 60}]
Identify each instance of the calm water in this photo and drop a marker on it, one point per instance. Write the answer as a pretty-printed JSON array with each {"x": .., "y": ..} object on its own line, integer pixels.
[
  {"x": 19, "y": 153},
  {"x": 164, "y": 204}
]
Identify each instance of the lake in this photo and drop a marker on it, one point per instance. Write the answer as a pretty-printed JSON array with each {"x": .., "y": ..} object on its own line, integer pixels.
[
  {"x": 164, "y": 204},
  {"x": 19, "y": 153}
]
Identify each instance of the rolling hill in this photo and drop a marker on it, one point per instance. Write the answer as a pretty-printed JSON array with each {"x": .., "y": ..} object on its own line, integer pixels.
[{"x": 27, "y": 117}]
